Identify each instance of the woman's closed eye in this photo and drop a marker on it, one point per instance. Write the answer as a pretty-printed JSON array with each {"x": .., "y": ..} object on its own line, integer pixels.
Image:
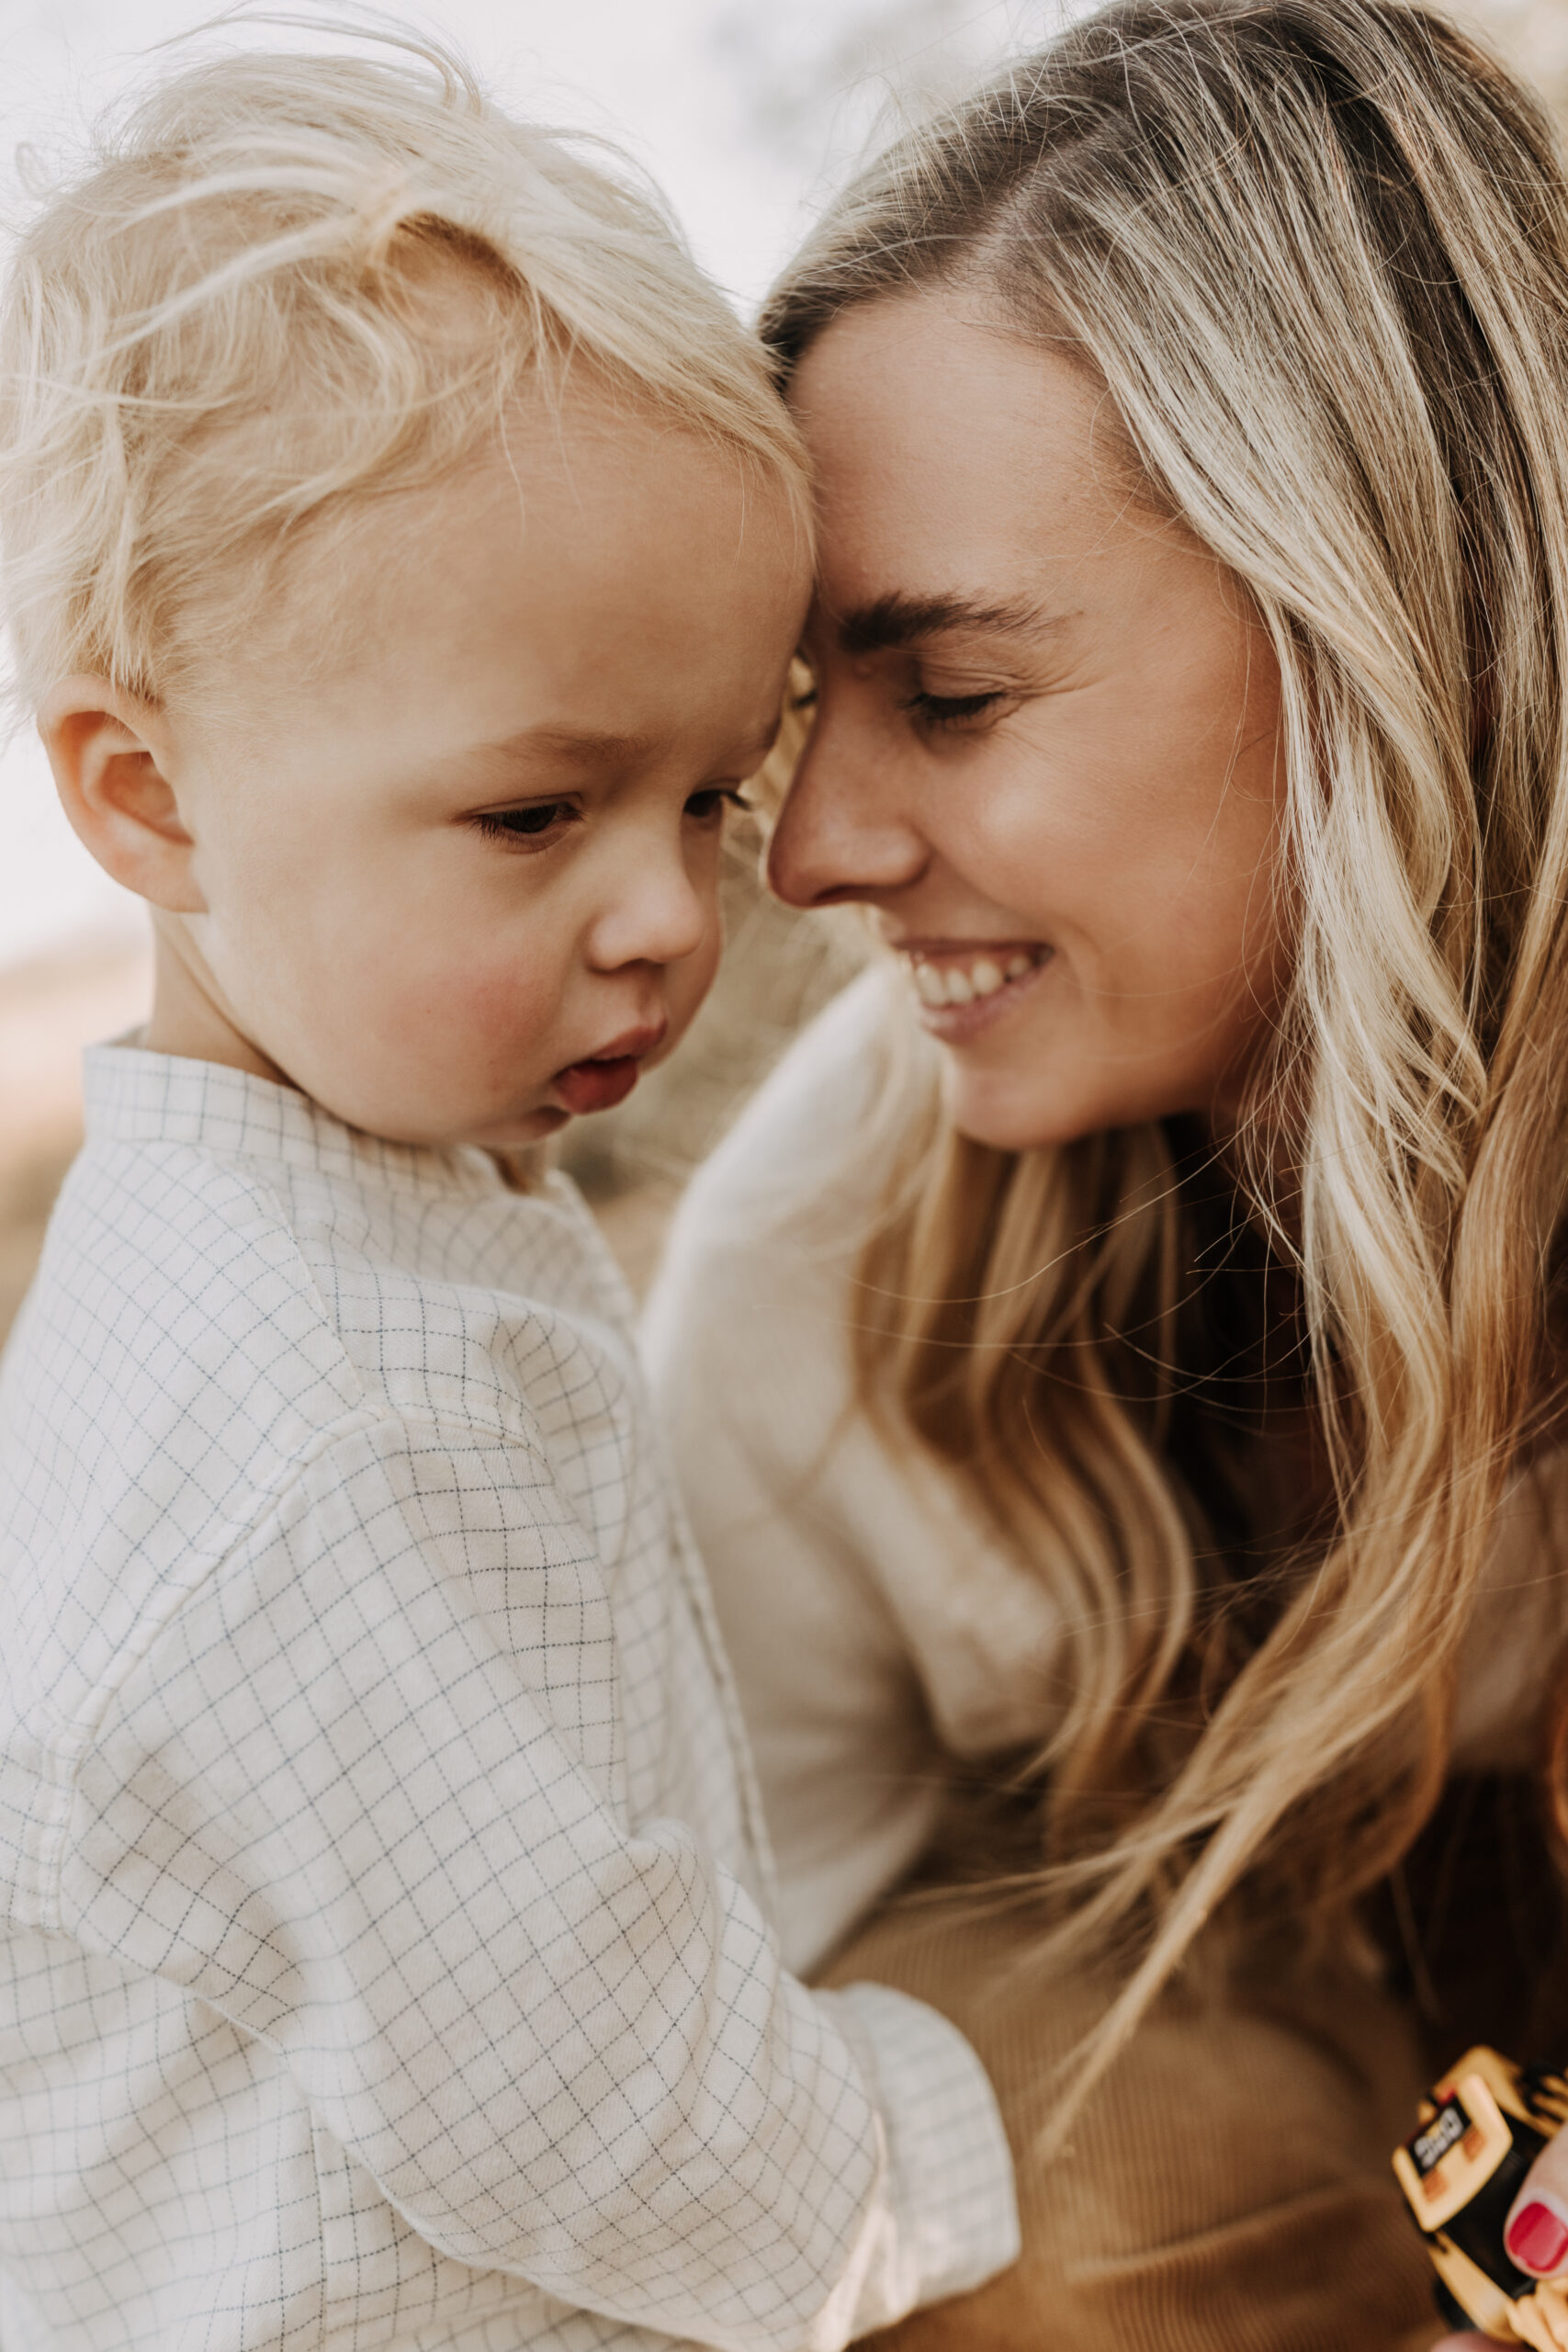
[
  {"x": 956, "y": 713},
  {"x": 932, "y": 710}
]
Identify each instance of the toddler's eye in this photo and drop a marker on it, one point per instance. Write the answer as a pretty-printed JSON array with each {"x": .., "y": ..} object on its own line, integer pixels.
[
  {"x": 705, "y": 808},
  {"x": 541, "y": 816}
]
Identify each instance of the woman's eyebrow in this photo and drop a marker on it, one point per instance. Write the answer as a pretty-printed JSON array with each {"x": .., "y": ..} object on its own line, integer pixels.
[{"x": 897, "y": 620}]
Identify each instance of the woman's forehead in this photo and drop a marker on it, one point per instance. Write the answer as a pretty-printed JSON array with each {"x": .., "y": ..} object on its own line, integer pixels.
[
  {"x": 953, "y": 453},
  {"x": 929, "y": 388}
]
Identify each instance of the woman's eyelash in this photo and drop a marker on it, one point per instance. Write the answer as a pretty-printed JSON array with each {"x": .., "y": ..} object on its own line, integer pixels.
[
  {"x": 935, "y": 710},
  {"x": 716, "y": 797},
  {"x": 951, "y": 711}
]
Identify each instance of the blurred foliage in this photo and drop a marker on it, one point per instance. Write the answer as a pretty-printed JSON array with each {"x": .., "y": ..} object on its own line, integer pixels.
[
  {"x": 824, "y": 79},
  {"x": 1532, "y": 36},
  {"x": 819, "y": 83}
]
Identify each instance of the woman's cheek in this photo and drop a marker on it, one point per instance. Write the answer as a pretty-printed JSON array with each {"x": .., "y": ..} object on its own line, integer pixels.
[{"x": 1057, "y": 836}]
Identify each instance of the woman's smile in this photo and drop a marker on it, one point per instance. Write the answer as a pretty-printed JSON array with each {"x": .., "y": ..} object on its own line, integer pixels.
[
  {"x": 964, "y": 985},
  {"x": 1116, "y": 822}
]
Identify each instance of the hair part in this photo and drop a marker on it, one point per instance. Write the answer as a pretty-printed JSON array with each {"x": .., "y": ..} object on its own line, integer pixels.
[
  {"x": 1317, "y": 252},
  {"x": 287, "y": 285}
]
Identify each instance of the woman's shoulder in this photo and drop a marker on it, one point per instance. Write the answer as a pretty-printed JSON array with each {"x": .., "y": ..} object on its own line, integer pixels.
[
  {"x": 749, "y": 1323},
  {"x": 824, "y": 1533}
]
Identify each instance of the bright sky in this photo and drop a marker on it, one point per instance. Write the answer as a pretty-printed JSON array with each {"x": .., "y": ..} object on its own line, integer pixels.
[{"x": 746, "y": 111}]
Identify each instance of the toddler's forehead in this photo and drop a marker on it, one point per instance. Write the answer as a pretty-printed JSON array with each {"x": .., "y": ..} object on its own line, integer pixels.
[
  {"x": 588, "y": 538},
  {"x": 579, "y": 480}
]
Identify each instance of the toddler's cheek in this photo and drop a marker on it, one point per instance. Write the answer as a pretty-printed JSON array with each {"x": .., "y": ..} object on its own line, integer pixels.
[
  {"x": 496, "y": 1010},
  {"x": 451, "y": 1050},
  {"x": 687, "y": 984}
]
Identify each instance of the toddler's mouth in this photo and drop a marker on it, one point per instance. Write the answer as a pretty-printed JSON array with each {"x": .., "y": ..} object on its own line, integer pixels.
[
  {"x": 601, "y": 1080},
  {"x": 596, "y": 1085}
]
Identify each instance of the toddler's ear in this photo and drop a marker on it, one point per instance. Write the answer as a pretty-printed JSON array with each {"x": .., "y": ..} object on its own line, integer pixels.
[{"x": 108, "y": 752}]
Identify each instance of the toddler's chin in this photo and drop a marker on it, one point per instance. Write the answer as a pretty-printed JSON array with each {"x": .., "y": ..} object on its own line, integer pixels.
[{"x": 518, "y": 1132}]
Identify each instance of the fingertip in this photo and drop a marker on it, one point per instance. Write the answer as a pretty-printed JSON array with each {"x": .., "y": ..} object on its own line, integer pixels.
[{"x": 1537, "y": 2235}]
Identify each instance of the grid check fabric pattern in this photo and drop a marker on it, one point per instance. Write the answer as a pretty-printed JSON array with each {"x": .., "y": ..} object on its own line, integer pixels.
[{"x": 383, "y": 1949}]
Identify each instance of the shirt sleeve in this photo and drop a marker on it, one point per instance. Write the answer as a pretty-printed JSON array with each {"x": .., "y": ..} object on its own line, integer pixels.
[{"x": 362, "y": 1795}]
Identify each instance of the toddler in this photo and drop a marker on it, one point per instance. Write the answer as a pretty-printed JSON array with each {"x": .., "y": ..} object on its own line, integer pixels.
[{"x": 404, "y": 550}]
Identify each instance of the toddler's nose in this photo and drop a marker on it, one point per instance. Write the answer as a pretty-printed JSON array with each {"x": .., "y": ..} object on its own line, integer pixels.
[{"x": 656, "y": 915}]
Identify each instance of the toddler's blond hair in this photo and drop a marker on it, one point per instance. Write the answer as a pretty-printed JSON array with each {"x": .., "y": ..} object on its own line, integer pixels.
[{"x": 222, "y": 339}]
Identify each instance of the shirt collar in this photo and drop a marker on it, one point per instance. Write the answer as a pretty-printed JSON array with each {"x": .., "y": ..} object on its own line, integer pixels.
[{"x": 134, "y": 1096}]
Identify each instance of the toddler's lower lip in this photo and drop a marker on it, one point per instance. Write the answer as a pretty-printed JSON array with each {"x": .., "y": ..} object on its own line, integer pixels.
[{"x": 597, "y": 1085}]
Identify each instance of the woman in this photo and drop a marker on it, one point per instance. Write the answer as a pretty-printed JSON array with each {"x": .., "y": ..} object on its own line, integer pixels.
[{"x": 1116, "y": 1360}]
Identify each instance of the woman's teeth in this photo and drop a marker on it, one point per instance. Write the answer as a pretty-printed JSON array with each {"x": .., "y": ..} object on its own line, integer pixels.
[{"x": 938, "y": 984}]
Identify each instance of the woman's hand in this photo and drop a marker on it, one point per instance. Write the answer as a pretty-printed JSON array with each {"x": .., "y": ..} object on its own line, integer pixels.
[{"x": 1536, "y": 2233}]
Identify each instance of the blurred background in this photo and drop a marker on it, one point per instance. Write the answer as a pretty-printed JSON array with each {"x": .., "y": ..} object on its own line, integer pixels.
[{"x": 748, "y": 112}]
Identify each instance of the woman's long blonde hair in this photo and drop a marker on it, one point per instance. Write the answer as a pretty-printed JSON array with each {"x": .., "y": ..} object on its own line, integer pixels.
[{"x": 1317, "y": 251}]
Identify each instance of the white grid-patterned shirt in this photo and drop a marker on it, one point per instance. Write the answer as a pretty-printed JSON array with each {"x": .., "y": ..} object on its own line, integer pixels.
[{"x": 381, "y": 1952}]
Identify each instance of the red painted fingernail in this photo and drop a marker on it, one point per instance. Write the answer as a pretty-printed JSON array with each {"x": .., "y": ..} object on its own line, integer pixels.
[{"x": 1538, "y": 2240}]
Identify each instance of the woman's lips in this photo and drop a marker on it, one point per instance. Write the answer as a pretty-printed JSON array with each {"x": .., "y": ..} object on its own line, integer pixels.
[
  {"x": 601, "y": 1080},
  {"x": 961, "y": 986}
]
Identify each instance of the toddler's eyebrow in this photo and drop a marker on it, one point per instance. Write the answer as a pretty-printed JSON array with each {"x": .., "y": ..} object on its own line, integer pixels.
[
  {"x": 591, "y": 745},
  {"x": 596, "y": 747},
  {"x": 895, "y": 620}
]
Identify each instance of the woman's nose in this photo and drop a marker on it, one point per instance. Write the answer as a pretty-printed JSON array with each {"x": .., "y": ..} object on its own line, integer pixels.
[{"x": 842, "y": 832}]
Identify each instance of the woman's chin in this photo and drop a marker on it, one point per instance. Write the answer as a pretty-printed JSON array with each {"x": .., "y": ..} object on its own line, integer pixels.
[
  {"x": 1015, "y": 1112},
  {"x": 1041, "y": 1102}
]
